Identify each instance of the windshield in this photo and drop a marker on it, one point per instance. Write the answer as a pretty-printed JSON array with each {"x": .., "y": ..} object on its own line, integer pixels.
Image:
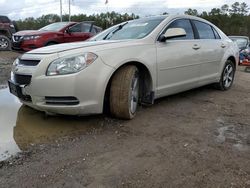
[
  {"x": 135, "y": 29},
  {"x": 54, "y": 27},
  {"x": 241, "y": 42}
]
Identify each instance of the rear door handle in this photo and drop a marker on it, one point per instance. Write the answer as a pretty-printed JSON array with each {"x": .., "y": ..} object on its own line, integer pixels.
[
  {"x": 196, "y": 47},
  {"x": 223, "y": 45}
]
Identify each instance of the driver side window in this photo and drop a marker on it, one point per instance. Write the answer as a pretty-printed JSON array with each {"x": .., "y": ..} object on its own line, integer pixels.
[
  {"x": 76, "y": 28},
  {"x": 81, "y": 27},
  {"x": 184, "y": 24},
  {"x": 86, "y": 27}
]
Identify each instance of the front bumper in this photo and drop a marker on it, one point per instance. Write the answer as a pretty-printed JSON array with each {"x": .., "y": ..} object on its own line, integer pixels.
[
  {"x": 23, "y": 45},
  {"x": 86, "y": 89}
]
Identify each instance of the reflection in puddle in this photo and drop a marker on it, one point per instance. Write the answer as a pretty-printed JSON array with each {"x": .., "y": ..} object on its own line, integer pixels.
[
  {"x": 21, "y": 126},
  {"x": 234, "y": 135},
  {"x": 34, "y": 127},
  {"x": 9, "y": 106}
]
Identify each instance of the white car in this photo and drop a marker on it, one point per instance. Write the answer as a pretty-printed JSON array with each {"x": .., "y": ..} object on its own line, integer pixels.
[{"x": 132, "y": 63}]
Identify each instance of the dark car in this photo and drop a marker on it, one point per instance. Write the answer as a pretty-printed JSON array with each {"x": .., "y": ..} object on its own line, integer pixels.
[
  {"x": 55, "y": 33},
  {"x": 244, "y": 46},
  {"x": 7, "y": 28}
]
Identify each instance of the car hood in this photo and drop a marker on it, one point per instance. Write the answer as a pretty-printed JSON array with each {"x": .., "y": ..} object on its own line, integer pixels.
[
  {"x": 75, "y": 45},
  {"x": 31, "y": 32}
]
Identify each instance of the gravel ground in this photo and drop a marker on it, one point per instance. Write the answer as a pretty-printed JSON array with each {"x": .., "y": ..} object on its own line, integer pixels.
[{"x": 199, "y": 138}]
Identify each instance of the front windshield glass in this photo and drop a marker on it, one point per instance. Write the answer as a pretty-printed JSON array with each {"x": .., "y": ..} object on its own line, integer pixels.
[
  {"x": 241, "y": 42},
  {"x": 135, "y": 29},
  {"x": 54, "y": 27}
]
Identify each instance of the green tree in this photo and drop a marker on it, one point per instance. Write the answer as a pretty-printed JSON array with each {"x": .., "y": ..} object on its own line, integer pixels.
[
  {"x": 192, "y": 12},
  {"x": 235, "y": 8},
  {"x": 225, "y": 9},
  {"x": 244, "y": 8}
]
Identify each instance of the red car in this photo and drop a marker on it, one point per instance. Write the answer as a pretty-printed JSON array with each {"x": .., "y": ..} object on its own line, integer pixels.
[{"x": 60, "y": 32}]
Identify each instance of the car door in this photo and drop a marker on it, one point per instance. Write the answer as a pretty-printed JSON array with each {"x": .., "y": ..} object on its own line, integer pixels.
[
  {"x": 178, "y": 61},
  {"x": 86, "y": 31},
  {"x": 212, "y": 49},
  {"x": 78, "y": 32}
]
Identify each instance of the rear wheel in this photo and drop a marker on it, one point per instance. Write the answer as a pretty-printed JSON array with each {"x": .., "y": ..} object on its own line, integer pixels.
[
  {"x": 227, "y": 76},
  {"x": 5, "y": 43},
  {"x": 124, "y": 92}
]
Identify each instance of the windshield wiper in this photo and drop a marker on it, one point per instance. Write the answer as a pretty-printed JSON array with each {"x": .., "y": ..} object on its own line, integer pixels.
[{"x": 113, "y": 32}]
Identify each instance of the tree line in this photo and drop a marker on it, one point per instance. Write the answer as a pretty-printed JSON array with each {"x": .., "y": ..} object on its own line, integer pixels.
[
  {"x": 233, "y": 19},
  {"x": 103, "y": 20}
]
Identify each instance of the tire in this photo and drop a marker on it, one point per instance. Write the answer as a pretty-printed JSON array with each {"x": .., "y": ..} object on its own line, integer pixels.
[
  {"x": 227, "y": 76},
  {"x": 5, "y": 43},
  {"x": 124, "y": 92}
]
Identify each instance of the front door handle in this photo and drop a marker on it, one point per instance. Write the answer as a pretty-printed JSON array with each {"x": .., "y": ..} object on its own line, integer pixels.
[
  {"x": 223, "y": 45},
  {"x": 196, "y": 47}
]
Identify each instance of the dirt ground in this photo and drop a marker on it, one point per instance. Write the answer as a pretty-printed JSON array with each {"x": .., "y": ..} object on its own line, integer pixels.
[
  {"x": 199, "y": 138},
  {"x": 6, "y": 60}
]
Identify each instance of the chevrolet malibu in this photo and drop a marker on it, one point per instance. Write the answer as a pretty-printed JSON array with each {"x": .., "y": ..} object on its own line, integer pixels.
[{"x": 128, "y": 64}]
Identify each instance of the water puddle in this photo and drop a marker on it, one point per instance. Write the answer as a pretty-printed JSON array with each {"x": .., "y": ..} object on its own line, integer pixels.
[
  {"x": 235, "y": 134},
  {"x": 9, "y": 106},
  {"x": 21, "y": 126}
]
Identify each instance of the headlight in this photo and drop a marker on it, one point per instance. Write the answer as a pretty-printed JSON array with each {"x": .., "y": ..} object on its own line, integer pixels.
[
  {"x": 15, "y": 63},
  {"x": 70, "y": 65},
  {"x": 31, "y": 37}
]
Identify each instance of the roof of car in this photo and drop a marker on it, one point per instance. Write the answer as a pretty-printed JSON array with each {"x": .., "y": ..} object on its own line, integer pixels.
[{"x": 175, "y": 16}]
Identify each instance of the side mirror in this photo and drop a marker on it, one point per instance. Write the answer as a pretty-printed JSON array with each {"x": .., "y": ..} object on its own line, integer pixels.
[{"x": 173, "y": 33}]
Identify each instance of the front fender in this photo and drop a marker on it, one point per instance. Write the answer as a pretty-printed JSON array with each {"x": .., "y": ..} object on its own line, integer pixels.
[{"x": 144, "y": 54}]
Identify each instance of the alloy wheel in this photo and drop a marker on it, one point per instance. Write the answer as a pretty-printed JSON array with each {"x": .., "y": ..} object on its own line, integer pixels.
[
  {"x": 3, "y": 43},
  {"x": 228, "y": 75},
  {"x": 134, "y": 93}
]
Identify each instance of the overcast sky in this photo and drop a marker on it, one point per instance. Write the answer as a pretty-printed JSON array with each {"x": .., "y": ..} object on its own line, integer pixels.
[{"x": 19, "y": 9}]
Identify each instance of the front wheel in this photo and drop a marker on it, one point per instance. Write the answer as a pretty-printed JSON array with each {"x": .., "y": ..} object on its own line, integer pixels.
[
  {"x": 5, "y": 43},
  {"x": 124, "y": 92},
  {"x": 227, "y": 76}
]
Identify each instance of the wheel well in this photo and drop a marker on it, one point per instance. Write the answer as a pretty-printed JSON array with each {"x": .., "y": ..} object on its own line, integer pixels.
[
  {"x": 146, "y": 83},
  {"x": 5, "y": 33},
  {"x": 231, "y": 58},
  {"x": 52, "y": 42}
]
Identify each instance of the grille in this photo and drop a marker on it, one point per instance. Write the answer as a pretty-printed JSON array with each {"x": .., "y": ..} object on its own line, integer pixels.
[
  {"x": 28, "y": 62},
  {"x": 22, "y": 79},
  {"x": 61, "y": 100}
]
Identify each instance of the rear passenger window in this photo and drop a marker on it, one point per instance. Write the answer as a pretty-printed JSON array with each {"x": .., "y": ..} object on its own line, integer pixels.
[
  {"x": 205, "y": 31},
  {"x": 184, "y": 24}
]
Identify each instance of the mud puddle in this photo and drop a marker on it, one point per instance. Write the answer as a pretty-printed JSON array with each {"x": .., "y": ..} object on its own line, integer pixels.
[
  {"x": 21, "y": 126},
  {"x": 237, "y": 135}
]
